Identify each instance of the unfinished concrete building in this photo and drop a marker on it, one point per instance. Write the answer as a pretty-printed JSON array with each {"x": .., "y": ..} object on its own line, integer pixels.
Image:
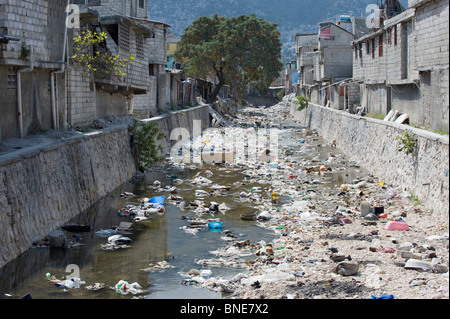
[
  {"x": 404, "y": 65},
  {"x": 305, "y": 47},
  {"x": 32, "y": 53},
  {"x": 156, "y": 99},
  {"x": 332, "y": 64},
  {"x": 42, "y": 85},
  {"x": 142, "y": 91}
]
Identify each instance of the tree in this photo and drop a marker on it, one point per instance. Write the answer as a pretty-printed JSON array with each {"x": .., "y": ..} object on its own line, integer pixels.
[
  {"x": 236, "y": 51},
  {"x": 92, "y": 55}
]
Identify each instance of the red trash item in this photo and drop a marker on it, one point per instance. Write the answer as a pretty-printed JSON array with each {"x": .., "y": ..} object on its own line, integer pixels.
[{"x": 394, "y": 225}]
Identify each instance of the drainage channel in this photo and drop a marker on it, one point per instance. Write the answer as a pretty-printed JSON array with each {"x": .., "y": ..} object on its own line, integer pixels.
[{"x": 159, "y": 239}]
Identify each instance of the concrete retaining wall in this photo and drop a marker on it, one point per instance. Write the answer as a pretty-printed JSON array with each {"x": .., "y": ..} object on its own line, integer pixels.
[
  {"x": 45, "y": 186},
  {"x": 181, "y": 119},
  {"x": 374, "y": 145}
]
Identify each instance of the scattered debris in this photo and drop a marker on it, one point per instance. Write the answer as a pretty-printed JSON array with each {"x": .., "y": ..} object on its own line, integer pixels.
[{"x": 159, "y": 266}]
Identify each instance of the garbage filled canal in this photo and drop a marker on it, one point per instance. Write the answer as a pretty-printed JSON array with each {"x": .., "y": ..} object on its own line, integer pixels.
[{"x": 164, "y": 248}]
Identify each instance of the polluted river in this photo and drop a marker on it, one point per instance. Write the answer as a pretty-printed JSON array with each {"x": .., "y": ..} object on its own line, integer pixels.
[{"x": 284, "y": 223}]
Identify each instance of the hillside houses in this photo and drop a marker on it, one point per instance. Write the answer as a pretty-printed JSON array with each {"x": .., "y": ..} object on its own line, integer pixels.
[
  {"x": 127, "y": 35},
  {"x": 400, "y": 63},
  {"x": 306, "y": 45},
  {"x": 325, "y": 63}
]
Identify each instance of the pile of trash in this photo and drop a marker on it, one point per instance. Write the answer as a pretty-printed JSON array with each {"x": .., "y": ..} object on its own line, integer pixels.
[
  {"x": 125, "y": 288},
  {"x": 343, "y": 233},
  {"x": 67, "y": 283},
  {"x": 71, "y": 282},
  {"x": 159, "y": 266},
  {"x": 143, "y": 210},
  {"x": 117, "y": 242},
  {"x": 111, "y": 120},
  {"x": 116, "y": 236}
]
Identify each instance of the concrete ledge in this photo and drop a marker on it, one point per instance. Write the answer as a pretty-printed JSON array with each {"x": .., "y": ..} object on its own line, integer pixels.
[{"x": 31, "y": 151}]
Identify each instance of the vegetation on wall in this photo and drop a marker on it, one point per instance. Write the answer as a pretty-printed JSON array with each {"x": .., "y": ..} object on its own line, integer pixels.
[
  {"x": 280, "y": 95},
  {"x": 25, "y": 50},
  {"x": 144, "y": 137},
  {"x": 301, "y": 102},
  {"x": 407, "y": 143}
]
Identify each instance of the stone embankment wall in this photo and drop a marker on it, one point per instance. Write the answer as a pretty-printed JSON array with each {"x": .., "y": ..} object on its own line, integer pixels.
[
  {"x": 374, "y": 145},
  {"x": 45, "y": 186},
  {"x": 184, "y": 119}
]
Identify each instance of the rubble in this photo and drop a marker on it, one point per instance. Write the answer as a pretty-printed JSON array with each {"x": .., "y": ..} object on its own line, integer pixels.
[{"x": 116, "y": 242}]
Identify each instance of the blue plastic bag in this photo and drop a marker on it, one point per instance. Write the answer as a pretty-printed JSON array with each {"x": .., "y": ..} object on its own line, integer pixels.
[
  {"x": 157, "y": 200},
  {"x": 215, "y": 225}
]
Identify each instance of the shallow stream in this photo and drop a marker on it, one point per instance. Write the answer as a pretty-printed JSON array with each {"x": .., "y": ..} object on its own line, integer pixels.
[{"x": 157, "y": 239}]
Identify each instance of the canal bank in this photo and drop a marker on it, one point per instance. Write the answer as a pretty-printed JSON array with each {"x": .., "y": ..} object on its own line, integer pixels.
[{"x": 47, "y": 184}]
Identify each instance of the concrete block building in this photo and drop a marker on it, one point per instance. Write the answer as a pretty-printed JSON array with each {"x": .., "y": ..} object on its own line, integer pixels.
[
  {"x": 43, "y": 88},
  {"x": 325, "y": 64},
  {"x": 31, "y": 54},
  {"x": 332, "y": 64},
  {"x": 305, "y": 47},
  {"x": 156, "y": 99},
  {"x": 142, "y": 92},
  {"x": 404, "y": 65}
]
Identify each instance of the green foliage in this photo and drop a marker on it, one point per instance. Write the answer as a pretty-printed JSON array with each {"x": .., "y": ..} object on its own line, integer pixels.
[
  {"x": 280, "y": 94},
  {"x": 145, "y": 137},
  {"x": 236, "y": 50},
  {"x": 90, "y": 52},
  {"x": 25, "y": 49},
  {"x": 377, "y": 116},
  {"x": 301, "y": 102},
  {"x": 414, "y": 199},
  {"x": 440, "y": 132},
  {"x": 407, "y": 143}
]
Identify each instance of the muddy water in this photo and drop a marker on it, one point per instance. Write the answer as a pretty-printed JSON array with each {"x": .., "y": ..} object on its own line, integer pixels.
[{"x": 157, "y": 239}]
